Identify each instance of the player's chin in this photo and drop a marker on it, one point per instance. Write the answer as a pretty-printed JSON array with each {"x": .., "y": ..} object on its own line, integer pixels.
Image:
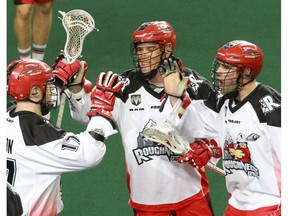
[
  {"x": 225, "y": 91},
  {"x": 145, "y": 70}
]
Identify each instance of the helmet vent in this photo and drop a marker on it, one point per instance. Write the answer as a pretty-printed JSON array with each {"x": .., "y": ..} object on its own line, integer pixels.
[{"x": 252, "y": 55}]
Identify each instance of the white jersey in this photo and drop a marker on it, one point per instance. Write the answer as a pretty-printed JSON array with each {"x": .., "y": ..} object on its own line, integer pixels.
[
  {"x": 38, "y": 152},
  {"x": 250, "y": 133},
  {"x": 156, "y": 181}
]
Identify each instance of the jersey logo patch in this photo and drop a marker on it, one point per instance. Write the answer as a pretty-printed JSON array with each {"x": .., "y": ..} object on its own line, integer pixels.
[
  {"x": 268, "y": 104},
  {"x": 237, "y": 155},
  {"x": 136, "y": 99},
  {"x": 194, "y": 83}
]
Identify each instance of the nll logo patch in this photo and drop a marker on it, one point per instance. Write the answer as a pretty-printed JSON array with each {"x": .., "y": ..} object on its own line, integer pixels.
[
  {"x": 268, "y": 105},
  {"x": 136, "y": 99},
  {"x": 195, "y": 83}
]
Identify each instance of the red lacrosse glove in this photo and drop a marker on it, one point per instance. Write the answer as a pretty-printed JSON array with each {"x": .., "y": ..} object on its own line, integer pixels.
[
  {"x": 79, "y": 77},
  {"x": 104, "y": 94},
  {"x": 201, "y": 152},
  {"x": 67, "y": 72},
  {"x": 213, "y": 146},
  {"x": 60, "y": 57}
]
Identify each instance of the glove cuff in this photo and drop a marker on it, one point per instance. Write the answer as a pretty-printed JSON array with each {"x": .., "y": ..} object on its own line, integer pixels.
[
  {"x": 112, "y": 122},
  {"x": 105, "y": 114}
]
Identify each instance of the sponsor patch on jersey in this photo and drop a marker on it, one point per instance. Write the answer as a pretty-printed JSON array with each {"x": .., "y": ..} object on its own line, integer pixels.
[{"x": 136, "y": 99}]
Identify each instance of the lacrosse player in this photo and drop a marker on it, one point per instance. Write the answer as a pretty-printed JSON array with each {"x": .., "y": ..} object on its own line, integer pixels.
[
  {"x": 246, "y": 115},
  {"x": 38, "y": 152},
  {"x": 32, "y": 23},
  {"x": 157, "y": 183}
]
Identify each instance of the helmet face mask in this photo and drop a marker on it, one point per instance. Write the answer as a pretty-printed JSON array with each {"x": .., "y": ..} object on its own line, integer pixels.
[
  {"x": 146, "y": 58},
  {"x": 52, "y": 96},
  {"x": 159, "y": 38},
  {"x": 242, "y": 57},
  {"x": 225, "y": 77}
]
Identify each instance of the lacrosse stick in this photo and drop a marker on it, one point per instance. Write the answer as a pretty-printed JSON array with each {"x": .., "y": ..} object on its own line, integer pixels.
[
  {"x": 168, "y": 136},
  {"x": 77, "y": 24}
]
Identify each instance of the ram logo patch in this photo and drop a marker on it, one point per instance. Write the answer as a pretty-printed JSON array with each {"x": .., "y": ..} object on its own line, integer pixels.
[{"x": 136, "y": 99}]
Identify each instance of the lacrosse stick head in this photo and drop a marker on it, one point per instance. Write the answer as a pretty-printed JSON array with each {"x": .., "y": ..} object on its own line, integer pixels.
[
  {"x": 168, "y": 136},
  {"x": 77, "y": 24}
]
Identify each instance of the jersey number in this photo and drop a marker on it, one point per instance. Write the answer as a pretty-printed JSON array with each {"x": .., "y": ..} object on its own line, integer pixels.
[{"x": 11, "y": 171}]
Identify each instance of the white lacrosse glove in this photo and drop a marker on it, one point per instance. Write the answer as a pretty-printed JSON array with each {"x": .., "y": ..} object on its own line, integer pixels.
[
  {"x": 170, "y": 65},
  {"x": 175, "y": 83}
]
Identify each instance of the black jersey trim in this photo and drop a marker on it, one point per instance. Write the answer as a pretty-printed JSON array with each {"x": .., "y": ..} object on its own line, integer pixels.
[
  {"x": 272, "y": 118},
  {"x": 37, "y": 130}
]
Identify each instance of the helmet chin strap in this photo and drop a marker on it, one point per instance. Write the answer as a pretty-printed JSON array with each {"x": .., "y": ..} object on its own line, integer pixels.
[
  {"x": 235, "y": 92},
  {"x": 150, "y": 75},
  {"x": 44, "y": 109}
]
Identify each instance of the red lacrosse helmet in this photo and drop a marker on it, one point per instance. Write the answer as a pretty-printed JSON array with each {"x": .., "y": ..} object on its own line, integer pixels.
[
  {"x": 157, "y": 31},
  {"x": 242, "y": 54},
  {"x": 22, "y": 75}
]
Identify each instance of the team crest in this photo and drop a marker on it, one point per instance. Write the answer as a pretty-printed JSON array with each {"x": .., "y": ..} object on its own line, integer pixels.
[
  {"x": 237, "y": 155},
  {"x": 136, "y": 99}
]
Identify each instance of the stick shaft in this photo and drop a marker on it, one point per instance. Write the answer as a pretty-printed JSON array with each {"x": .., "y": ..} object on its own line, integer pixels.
[
  {"x": 61, "y": 110},
  {"x": 216, "y": 169}
]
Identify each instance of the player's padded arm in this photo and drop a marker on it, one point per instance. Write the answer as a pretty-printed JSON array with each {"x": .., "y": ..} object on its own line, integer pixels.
[{"x": 104, "y": 94}]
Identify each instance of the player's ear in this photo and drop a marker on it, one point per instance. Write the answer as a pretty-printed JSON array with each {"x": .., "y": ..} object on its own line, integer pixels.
[
  {"x": 35, "y": 93},
  {"x": 248, "y": 72},
  {"x": 168, "y": 50}
]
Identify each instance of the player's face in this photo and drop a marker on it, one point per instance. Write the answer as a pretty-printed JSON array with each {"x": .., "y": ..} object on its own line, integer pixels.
[
  {"x": 149, "y": 56},
  {"x": 227, "y": 76}
]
